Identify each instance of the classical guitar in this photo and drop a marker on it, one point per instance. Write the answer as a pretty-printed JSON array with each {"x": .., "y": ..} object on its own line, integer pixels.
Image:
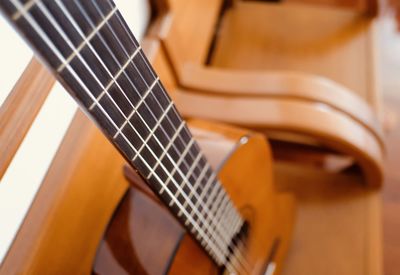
[{"x": 91, "y": 51}]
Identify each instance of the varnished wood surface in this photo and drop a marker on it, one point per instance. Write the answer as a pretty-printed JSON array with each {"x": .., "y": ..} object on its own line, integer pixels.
[
  {"x": 328, "y": 127},
  {"x": 338, "y": 228},
  {"x": 137, "y": 230},
  {"x": 270, "y": 214},
  {"x": 141, "y": 238},
  {"x": 187, "y": 30},
  {"x": 311, "y": 48},
  {"x": 280, "y": 85},
  {"x": 66, "y": 221},
  {"x": 363, "y": 6},
  {"x": 20, "y": 109},
  {"x": 223, "y": 86}
]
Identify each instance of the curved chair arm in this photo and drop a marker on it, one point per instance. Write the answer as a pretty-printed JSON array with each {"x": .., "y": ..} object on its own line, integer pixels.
[
  {"x": 281, "y": 84},
  {"x": 329, "y": 126}
]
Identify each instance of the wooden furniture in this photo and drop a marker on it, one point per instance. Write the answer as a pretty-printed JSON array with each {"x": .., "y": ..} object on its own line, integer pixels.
[
  {"x": 316, "y": 83},
  {"x": 328, "y": 203}
]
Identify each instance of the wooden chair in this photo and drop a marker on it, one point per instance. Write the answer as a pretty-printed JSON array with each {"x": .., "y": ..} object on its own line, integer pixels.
[
  {"x": 273, "y": 68},
  {"x": 337, "y": 218}
]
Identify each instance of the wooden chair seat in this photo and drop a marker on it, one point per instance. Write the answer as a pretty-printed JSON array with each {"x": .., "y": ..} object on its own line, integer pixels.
[{"x": 274, "y": 67}]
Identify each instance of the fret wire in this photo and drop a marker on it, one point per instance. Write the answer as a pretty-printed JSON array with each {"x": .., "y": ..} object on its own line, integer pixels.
[
  {"x": 170, "y": 143},
  {"x": 127, "y": 32},
  {"x": 178, "y": 170},
  {"x": 216, "y": 225},
  {"x": 172, "y": 124},
  {"x": 174, "y": 146},
  {"x": 86, "y": 40},
  {"x": 198, "y": 181},
  {"x": 135, "y": 108},
  {"x": 153, "y": 130},
  {"x": 103, "y": 41},
  {"x": 27, "y": 6},
  {"x": 189, "y": 172},
  {"x": 57, "y": 53},
  {"x": 178, "y": 162},
  {"x": 110, "y": 97},
  {"x": 114, "y": 78},
  {"x": 132, "y": 126},
  {"x": 175, "y": 110}
]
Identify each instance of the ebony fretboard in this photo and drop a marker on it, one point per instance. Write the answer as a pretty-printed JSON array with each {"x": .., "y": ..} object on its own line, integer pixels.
[{"x": 94, "y": 55}]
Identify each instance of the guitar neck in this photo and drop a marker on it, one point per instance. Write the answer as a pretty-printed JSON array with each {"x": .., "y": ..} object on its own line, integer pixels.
[{"x": 93, "y": 53}]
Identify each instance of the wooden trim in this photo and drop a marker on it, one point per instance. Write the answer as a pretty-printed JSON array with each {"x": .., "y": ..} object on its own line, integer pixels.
[
  {"x": 20, "y": 109},
  {"x": 282, "y": 85},
  {"x": 331, "y": 128}
]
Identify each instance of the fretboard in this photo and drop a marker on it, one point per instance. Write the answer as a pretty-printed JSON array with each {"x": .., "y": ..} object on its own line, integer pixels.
[{"x": 92, "y": 52}]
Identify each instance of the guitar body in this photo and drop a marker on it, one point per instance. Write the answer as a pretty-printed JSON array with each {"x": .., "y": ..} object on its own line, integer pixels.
[
  {"x": 229, "y": 204},
  {"x": 143, "y": 238}
]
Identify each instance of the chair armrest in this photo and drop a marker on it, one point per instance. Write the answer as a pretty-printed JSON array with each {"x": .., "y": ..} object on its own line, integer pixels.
[
  {"x": 327, "y": 125},
  {"x": 282, "y": 85}
]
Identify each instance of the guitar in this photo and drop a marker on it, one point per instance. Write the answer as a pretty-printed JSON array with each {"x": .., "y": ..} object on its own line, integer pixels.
[{"x": 233, "y": 224}]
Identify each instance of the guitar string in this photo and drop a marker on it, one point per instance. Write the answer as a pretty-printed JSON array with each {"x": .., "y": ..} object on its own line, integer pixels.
[
  {"x": 166, "y": 116},
  {"x": 209, "y": 197},
  {"x": 160, "y": 106},
  {"x": 45, "y": 38},
  {"x": 78, "y": 55},
  {"x": 139, "y": 72},
  {"x": 117, "y": 82},
  {"x": 133, "y": 41},
  {"x": 196, "y": 144}
]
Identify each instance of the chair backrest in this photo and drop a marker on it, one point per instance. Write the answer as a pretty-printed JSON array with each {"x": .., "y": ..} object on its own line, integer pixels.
[{"x": 187, "y": 30}]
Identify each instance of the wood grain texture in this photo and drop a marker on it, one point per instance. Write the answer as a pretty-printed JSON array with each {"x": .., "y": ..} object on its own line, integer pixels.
[{"x": 20, "y": 109}]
